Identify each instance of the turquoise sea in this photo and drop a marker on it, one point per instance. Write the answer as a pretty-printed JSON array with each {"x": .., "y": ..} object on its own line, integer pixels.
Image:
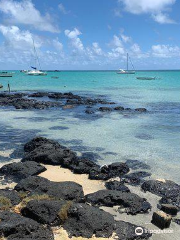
[{"x": 153, "y": 137}]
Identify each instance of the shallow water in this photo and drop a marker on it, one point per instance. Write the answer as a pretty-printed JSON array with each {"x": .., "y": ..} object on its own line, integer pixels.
[{"x": 152, "y": 137}]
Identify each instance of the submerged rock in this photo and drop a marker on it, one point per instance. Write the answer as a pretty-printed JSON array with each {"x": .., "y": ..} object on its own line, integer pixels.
[
  {"x": 119, "y": 108},
  {"x": 136, "y": 178},
  {"x": 58, "y": 190},
  {"x": 110, "y": 198},
  {"x": 136, "y": 164},
  {"x": 86, "y": 221},
  {"x": 141, "y": 110},
  {"x": 15, "y": 227},
  {"x": 49, "y": 212},
  {"x": 168, "y": 190},
  {"x": 21, "y": 170},
  {"x": 118, "y": 186},
  {"x": 105, "y": 109}
]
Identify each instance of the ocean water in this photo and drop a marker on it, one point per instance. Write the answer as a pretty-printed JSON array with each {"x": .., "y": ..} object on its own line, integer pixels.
[{"x": 153, "y": 137}]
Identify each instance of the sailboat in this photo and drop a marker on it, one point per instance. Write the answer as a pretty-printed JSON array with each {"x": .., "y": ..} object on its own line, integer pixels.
[
  {"x": 35, "y": 71},
  {"x": 127, "y": 71}
]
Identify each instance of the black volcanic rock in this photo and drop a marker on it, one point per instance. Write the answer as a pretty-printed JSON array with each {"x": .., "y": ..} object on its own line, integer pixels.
[
  {"x": 21, "y": 170},
  {"x": 105, "y": 109},
  {"x": 10, "y": 195},
  {"x": 109, "y": 171},
  {"x": 58, "y": 190},
  {"x": 86, "y": 221},
  {"x": 116, "y": 185},
  {"x": 79, "y": 165},
  {"x": 38, "y": 142},
  {"x": 141, "y": 110},
  {"x": 46, "y": 211},
  {"x": 110, "y": 198},
  {"x": 15, "y": 227},
  {"x": 168, "y": 190},
  {"x": 136, "y": 178},
  {"x": 119, "y": 108},
  {"x": 46, "y": 151},
  {"x": 127, "y": 231}
]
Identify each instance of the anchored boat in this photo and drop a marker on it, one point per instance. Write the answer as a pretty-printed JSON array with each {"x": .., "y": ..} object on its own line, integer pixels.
[
  {"x": 35, "y": 71},
  {"x": 127, "y": 71},
  {"x": 6, "y": 74},
  {"x": 146, "y": 78}
]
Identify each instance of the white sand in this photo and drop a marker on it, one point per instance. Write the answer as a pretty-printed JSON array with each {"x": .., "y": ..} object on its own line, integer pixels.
[{"x": 58, "y": 174}]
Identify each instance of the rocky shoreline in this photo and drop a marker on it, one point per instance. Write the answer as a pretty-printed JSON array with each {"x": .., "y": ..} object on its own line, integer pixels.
[
  {"x": 47, "y": 100},
  {"x": 37, "y": 205}
]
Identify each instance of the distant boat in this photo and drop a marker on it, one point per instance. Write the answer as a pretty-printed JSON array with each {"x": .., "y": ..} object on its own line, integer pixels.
[
  {"x": 6, "y": 74},
  {"x": 35, "y": 71},
  {"x": 127, "y": 71},
  {"x": 146, "y": 78}
]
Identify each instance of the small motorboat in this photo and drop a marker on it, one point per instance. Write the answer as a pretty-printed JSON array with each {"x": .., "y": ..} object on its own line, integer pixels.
[
  {"x": 6, "y": 74},
  {"x": 146, "y": 78}
]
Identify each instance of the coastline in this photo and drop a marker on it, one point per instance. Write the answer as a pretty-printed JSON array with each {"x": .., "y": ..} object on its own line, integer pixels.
[
  {"x": 121, "y": 189},
  {"x": 58, "y": 174}
]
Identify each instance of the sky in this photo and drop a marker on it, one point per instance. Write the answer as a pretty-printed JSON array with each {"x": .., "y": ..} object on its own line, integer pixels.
[{"x": 90, "y": 34}]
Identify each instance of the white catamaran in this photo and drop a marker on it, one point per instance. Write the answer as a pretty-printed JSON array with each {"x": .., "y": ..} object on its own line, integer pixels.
[
  {"x": 127, "y": 71},
  {"x": 35, "y": 71}
]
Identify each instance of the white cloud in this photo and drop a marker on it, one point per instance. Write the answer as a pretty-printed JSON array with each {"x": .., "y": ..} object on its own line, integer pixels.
[
  {"x": 116, "y": 42},
  {"x": 24, "y": 12},
  {"x": 17, "y": 39},
  {"x": 96, "y": 48},
  {"x": 154, "y": 7},
  {"x": 163, "y": 18},
  {"x": 62, "y": 9},
  {"x": 117, "y": 47},
  {"x": 57, "y": 44},
  {"x": 165, "y": 51},
  {"x": 125, "y": 38},
  {"x": 76, "y": 42},
  {"x": 135, "y": 48}
]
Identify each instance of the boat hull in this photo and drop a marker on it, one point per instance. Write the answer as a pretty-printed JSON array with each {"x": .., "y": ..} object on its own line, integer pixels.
[
  {"x": 146, "y": 78},
  {"x": 8, "y": 75},
  {"x": 125, "y": 72}
]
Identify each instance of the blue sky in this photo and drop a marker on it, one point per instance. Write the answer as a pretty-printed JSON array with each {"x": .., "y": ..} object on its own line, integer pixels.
[{"x": 90, "y": 34}]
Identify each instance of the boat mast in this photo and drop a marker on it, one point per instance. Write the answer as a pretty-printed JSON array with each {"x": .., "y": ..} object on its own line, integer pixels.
[
  {"x": 127, "y": 61},
  {"x": 36, "y": 56}
]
